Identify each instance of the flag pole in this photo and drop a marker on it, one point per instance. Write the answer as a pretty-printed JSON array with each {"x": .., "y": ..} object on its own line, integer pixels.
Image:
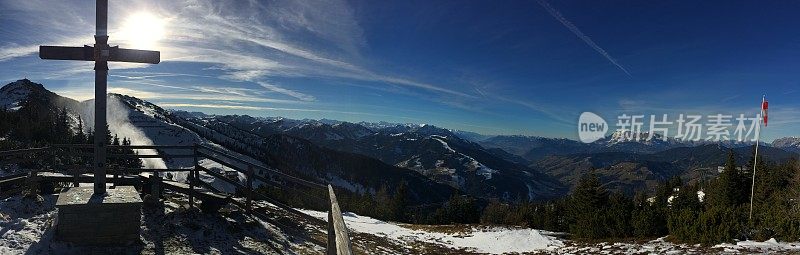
[{"x": 755, "y": 157}]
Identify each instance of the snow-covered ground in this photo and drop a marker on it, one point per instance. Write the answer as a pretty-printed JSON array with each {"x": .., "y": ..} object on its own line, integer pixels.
[
  {"x": 768, "y": 246},
  {"x": 26, "y": 228},
  {"x": 24, "y": 223},
  {"x": 495, "y": 240},
  {"x": 503, "y": 240}
]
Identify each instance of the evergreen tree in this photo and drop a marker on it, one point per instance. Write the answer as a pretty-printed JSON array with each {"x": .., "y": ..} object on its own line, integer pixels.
[
  {"x": 727, "y": 189},
  {"x": 647, "y": 220},
  {"x": 495, "y": 213},
  {"x": 585, "y": 208},
  {"x": 80, "y": 136},
  {"x": 400, "y": 202},
  {"x": 618, "y": 215},
  {"x": 459, "y": 209}
]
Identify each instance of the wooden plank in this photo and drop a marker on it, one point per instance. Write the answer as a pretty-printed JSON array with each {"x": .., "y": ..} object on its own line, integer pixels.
[
  {"x": 17, "y": 160},
  {"x": 90, "y": 146},
  {"x": 222, "y": 177},
  {"x": 22, "y": 151},
  {"x": 184, "y": 188},
  {"x": 83, "y": 178},
  {"x": 206, "y": 185},
  {"x": 74, "y": 145},
  {"x": 134, "y": 56},
  {"x": 336, "y": 224},
  {"x": 5, "y": 180},
  {"x": 7, "y": 193},
  {"x": 85, "y": 53}
]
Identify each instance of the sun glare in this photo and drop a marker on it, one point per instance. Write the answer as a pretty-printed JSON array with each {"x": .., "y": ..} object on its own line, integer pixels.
[{"x": 142, "y": 30}]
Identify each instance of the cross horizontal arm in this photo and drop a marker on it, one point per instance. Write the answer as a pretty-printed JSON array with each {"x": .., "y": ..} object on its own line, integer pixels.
[
  {"x": 134, "y": 56},
  {"x": 86, "y": 53}
]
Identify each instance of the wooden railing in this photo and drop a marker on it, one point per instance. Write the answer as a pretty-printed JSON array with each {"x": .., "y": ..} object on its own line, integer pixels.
[
  {"x": 44, "y": 160},
  {"x": 338, "y": 236}
]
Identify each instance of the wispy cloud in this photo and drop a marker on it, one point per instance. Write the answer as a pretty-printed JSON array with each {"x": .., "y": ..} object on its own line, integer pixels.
[
  {"x": 586, "y": 39},
  {"x": 14, "y": 51},
  {"x": 234, "y": 38},
  {"x": 294, "y": 94},
  {"x": 320, "y": 39}
]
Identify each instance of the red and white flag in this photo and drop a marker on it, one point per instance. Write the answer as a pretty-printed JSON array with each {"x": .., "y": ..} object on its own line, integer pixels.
[{"x": 764, "y": 107}]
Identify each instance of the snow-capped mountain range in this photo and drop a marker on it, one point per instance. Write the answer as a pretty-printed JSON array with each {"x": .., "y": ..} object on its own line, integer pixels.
[
  {"x": 363, "y": 156},
  {"x": 433, "y": 152},
  {"x": 788, "y": 143}
]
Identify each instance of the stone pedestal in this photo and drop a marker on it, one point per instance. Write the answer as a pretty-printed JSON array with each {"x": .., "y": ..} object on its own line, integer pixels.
[{"x": 86, "y": 219}]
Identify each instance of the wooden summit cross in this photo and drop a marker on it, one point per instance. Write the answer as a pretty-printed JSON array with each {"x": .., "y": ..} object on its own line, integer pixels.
[{"x": 100, "y": 53}]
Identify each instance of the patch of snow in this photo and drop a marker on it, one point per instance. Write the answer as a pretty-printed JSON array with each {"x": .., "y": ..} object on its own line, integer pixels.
[
  {"x": 494, "y": 240},
  {"x": 767, "y": 246},
  {"x": 413, "y": 163},
  {"x": 444, "y": 144},
  {"x": 478, "y": 167},
  {"x": 23, "y": 222},
  {"x": 531, "y": 194},
  {"x": 481, "y": 169}
]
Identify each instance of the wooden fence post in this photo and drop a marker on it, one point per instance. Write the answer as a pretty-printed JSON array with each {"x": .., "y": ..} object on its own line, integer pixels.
[
  {"x": 331, "y": 249},
  {"x": 33, "y": 182},
  {"x": 75, "y": 174},
  {"x": 192, "y": 177},
  {"x": 250, "y": 188},
  {"x": 52, "y": 158},
  {"x": 341, "y": 239},
  {"x": 156, "y": 189},
  {"x": 74, "y": 163}
]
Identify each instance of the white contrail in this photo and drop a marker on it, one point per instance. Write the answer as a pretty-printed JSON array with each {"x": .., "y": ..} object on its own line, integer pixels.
[{"x": 557, "y": 15}]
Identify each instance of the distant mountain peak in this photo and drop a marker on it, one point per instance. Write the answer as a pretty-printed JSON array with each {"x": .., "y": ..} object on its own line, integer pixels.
[
  {"x": 788, "y": 143},
  {"x": 14, "y": 95}
]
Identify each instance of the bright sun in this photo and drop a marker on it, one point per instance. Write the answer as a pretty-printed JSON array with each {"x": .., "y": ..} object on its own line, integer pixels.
[{"x": 142, "y": 30}]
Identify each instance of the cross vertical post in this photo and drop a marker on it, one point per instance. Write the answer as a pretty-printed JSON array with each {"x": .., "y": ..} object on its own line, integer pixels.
[
  {"x": 101, "y": 53},
  {"x": 80, "y": 204}
]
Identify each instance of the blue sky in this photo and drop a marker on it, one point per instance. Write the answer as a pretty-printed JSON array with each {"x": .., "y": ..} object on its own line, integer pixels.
[{"x": 509, "y": 67}]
